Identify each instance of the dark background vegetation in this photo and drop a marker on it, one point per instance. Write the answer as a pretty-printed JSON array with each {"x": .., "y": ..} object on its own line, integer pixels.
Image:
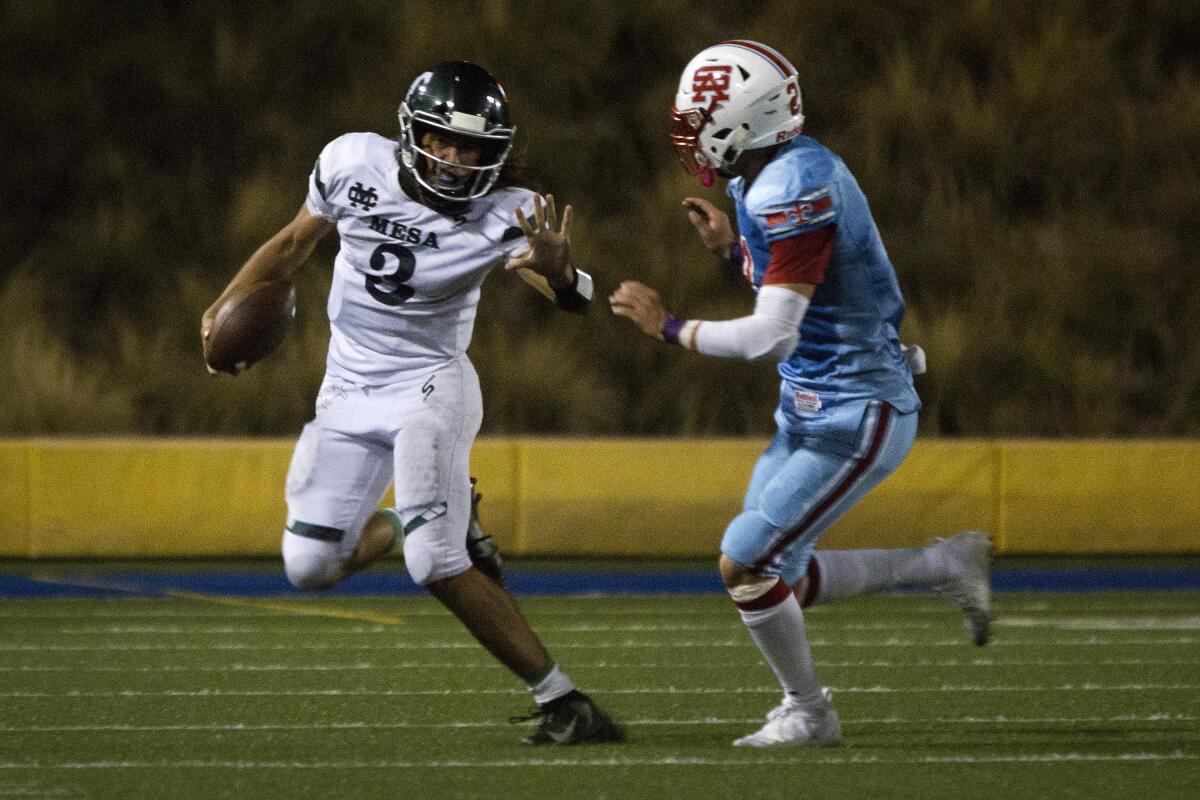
[{"x": 1034, "y": 168}]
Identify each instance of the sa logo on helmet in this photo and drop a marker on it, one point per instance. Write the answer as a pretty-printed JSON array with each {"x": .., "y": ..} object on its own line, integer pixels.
[{"x": 711, "y": 80}]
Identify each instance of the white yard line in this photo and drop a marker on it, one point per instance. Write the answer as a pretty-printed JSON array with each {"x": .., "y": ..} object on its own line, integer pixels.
[
  {"x": 740, "y": 641},
  {"x": 1191, "y": 623},
  {"x": 644, "y": 690},
  {"x": 284, "y": 608},
  {"x": 1054, "y": 623},
  {"x": 983, "y": 663},
  {"x": 684, "y": 761},
  {"x": 354, "y": 725}
]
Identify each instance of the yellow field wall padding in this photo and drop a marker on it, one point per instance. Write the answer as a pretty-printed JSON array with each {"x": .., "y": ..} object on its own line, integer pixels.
[
  {"x": 14, "y": 498},
  {"x": 634, "y": 497},
  {"x": 145, "y": 497},
  {"x": 1110, "y": 497},
  {"x": 621, "y": 497}
]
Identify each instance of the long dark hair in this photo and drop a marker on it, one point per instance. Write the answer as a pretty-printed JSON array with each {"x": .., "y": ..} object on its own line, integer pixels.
[{"x": 516, "y": 173}]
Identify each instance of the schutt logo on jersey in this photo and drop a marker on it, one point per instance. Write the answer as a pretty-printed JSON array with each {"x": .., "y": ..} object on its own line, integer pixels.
[{"x": 711, "y": 80}]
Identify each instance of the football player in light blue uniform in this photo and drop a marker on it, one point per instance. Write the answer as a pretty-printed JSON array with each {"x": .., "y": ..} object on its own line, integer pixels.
[{"x": 828, "y": 310}]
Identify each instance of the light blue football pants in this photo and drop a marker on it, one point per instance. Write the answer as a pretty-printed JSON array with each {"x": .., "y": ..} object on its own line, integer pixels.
[{"x": 798, "y": 489}]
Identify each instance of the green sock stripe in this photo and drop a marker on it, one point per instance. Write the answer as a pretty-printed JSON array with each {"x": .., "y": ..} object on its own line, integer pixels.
[
  {"x": 322, "y": 533},
  {"x": 397, "y": 526},
  {"x": 428, "y": 515},
  {"x": 542, "y": 675}
]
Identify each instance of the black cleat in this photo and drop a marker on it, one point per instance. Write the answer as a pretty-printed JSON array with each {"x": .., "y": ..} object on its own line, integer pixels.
[
  {"x": 572, "y": 719},
  {"x": 484, "y": 553}
]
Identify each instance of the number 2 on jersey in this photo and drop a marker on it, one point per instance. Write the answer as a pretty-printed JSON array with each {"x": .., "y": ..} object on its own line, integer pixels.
[{"x": 388, "y": 286}]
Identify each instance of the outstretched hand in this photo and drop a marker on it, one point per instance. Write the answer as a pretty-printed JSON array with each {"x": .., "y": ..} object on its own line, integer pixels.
[
  {"x": 549, "y": 253},
  {"x": 640, "y": 303},
  {"x": 712, "y": 224}
]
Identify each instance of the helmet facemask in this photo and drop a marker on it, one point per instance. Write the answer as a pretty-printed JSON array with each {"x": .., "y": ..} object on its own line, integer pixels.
[{"x": 685, "y": 138}]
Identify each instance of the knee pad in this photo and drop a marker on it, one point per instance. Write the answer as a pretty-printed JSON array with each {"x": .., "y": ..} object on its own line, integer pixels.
[
  {"x": 310, "y": 563},
  {"x": 748, "y": 593},
  {"x": 433, "y": 554},
  {"x": 748, "y": 537}
]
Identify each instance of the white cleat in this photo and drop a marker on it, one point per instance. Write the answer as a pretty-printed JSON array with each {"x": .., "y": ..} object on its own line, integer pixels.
[
  {"x": 970, "y": 590},
  {"x": 792, "y": 725}
]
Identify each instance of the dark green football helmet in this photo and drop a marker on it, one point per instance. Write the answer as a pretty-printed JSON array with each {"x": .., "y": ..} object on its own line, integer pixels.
[{"x": 461, "y": 100}]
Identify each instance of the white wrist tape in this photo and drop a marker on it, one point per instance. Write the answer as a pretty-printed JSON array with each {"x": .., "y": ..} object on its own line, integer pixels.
[{"x": 771, "y": 331}]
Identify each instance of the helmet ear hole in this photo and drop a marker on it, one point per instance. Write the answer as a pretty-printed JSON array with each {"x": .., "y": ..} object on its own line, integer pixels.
[{"x": 723, "y": 133}]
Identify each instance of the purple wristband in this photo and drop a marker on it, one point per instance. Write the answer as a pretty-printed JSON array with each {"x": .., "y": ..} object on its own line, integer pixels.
[
  {"x": 735, "y": 254},
  {"x": 671, "y": 328}
]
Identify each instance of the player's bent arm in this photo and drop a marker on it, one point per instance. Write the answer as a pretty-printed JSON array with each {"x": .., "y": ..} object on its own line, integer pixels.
[
  {"x": 798, "y": 263},
  {"x": 281, "y": 255},
  {"x": 770, "y": 332},
  {"x": 573, "y": 296}
]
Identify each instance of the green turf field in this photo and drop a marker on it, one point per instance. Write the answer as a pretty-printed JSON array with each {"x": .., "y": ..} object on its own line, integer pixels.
[{"x": 1080, "y": 696}]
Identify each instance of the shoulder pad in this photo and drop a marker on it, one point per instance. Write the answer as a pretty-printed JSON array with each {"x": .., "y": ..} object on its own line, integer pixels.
[
  {"x": 795, "y": 193},
  {"x": 348, "y": 158}
]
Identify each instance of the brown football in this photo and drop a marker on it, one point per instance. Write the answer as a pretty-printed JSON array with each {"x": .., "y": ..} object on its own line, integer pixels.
[{"x": 249, "y": 325}]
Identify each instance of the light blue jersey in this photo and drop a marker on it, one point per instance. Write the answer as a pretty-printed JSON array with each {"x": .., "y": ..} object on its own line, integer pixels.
[
  {"x": 849, "y": 349},
  {"x": 847, "y": 412}
]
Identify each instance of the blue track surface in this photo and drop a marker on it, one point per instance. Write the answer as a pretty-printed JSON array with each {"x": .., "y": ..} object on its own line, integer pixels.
[{"x": 149, "y": 584}]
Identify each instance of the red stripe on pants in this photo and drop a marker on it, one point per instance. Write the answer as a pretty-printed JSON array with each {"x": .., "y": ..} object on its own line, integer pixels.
[{"x": 885, "y": 414}]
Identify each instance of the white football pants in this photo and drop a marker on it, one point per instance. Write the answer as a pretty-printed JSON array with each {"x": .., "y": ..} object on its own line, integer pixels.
[{"x": 416, "y": 432}]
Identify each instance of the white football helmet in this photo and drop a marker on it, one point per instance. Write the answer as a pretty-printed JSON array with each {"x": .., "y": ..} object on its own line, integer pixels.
[{"x": 734, "y": 96}]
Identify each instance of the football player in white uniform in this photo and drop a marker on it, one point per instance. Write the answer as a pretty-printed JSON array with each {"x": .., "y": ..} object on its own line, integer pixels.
[{"x": 422, "y": 221}]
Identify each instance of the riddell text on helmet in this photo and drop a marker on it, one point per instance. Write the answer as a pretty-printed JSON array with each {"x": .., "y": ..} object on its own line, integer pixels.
[{"x": 790, "y": 133}]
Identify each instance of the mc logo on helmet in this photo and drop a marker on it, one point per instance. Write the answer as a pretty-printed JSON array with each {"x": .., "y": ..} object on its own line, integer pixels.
[{"x": 711, "y": 80}]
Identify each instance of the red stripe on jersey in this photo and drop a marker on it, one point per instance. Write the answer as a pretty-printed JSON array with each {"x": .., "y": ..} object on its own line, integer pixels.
[
  {"x": 800, "y": 259},
  {"x": 780, "y": 63},
  {"x": 799, "y": 214}
]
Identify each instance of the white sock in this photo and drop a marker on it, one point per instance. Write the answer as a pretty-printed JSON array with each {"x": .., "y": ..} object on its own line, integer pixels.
[
  {"x": 552, "y": 686},
  {"x": 848, "y": 573},
  {"x": 780, "y": 635}
]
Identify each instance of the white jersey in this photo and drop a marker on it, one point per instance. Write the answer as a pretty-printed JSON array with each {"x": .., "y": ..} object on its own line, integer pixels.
[{"x": 406, "y": 280}]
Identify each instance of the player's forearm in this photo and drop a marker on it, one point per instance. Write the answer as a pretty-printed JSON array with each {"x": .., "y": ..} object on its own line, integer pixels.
[
  {"x": 573, "y": 295},
  {"x": 280, "y": 256},
  {"x": 770, "y": 332},
  {"x": 277, "y": 259}
]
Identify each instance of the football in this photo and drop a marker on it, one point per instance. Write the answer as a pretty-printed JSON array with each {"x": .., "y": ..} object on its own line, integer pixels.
[{"x": 249, "y": 325}]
